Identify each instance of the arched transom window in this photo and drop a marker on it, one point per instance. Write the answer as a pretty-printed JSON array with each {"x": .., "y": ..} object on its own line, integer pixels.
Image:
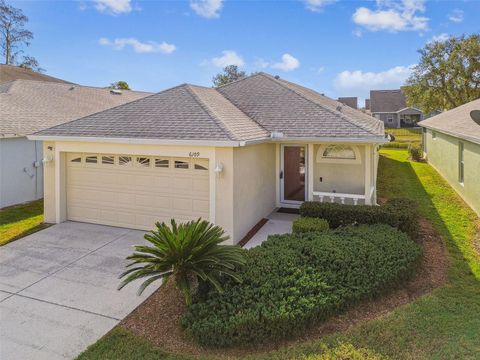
[{"x": 338, "y": 153}]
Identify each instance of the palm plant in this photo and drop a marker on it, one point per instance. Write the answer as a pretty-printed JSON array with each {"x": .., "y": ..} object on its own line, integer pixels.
[{"x": 188, "y": 252}]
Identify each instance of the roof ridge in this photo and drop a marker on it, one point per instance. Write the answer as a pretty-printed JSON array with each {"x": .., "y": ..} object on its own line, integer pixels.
[
  {"x": 243, "y": 78},
  {"x": 335, "y": 112},
  {"x": 210, "y": 112}
]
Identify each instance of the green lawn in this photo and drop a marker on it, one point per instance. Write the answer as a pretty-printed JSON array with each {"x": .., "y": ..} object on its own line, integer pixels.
[
  {"x": 442, "y": 325},
  {"x": 404, "y": 136},
  {"x": 21, "y": 220}
]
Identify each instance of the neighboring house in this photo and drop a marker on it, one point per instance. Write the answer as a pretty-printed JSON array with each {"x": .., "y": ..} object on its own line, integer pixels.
[
  {"x": 390, "y": 107},
  {"x": 10, "y": 73},
  {"x": 451, "y": 143},
  {"x": 231, "y": 155},
  {"x": 349, "y": 101},
  {"x": 28, "y": 106}
]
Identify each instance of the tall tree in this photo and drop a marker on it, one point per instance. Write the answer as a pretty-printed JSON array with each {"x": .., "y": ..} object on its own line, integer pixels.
[
  {"x": 120, "y": 85},
  {"x": 229, "y": 73},
  {"x": 12, "y": 32},
  {"x": 447, "y": 76}
]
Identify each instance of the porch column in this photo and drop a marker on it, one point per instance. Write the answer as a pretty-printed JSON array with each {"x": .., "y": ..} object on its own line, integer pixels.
[
  {"x": 60, "y": 190},
  {"x": 310, "y": 165},
  {"x": 368, "y": 174}
]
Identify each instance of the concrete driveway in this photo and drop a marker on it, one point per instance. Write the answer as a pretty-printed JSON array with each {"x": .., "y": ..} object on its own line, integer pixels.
[{"x": 58, "y": 289}]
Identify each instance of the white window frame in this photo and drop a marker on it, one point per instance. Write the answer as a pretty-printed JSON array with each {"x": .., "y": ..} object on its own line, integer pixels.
[{"x": 319, "y": 158}]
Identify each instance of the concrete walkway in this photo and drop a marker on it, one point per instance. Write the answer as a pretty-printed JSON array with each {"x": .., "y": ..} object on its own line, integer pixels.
[
  {"x": 278, "y": 223},
  {"x": 58, "y": 289}
]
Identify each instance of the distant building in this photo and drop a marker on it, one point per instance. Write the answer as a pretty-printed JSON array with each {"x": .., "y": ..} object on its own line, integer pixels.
[
  {"x": 349, "y": 101},
  {"x": 390, "y": 106},
  {"x": 367, "y": 104}
]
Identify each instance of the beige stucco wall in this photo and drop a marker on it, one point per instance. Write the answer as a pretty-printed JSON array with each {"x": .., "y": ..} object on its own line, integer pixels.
[
  {"x": 443, "y": 154},
  {"x": 343, "y": 178},
  {"x": 253, "y": 186}
]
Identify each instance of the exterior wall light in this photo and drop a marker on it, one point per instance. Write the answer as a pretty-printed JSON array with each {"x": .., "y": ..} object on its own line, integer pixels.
[{"x": 218, "y": 169}]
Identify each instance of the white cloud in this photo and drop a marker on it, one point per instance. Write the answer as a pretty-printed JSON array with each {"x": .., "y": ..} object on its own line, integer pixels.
[
  {"x": 261, "y": 63},
  {"x": 229, "y": 57},
  {"x": 207, "y": 8},
  {"x": 393, "y": 16},
  {"x": 138, "y": 46},
  {"x": 359, "y": 83},
  {"x": 357, "y": 32},
  {"x": 441, "y": 38},
  {"x": 317, "y": 5},
  {"x": 288, "y": 63},
  {"x": 113, "y": 7},
  {"x": 456, "y": 16}
]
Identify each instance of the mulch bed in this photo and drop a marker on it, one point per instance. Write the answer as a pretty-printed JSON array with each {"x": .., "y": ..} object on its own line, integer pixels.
[{"x": 156, "y": 319}]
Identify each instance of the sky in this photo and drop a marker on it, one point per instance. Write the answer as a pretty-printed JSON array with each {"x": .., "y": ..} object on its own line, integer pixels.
[{"x": 340, "y": 48}]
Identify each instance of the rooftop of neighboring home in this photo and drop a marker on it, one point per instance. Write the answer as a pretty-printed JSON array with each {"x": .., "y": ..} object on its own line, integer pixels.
[
  {"x": 249, "y": 109},
  {"x": 351, "y": 101},
  {"x": 387, "y": 101},
  {"x": 28, "y": 106},
  {"x": 457, "y": 122},
  {"x": 10, "y": 73}
]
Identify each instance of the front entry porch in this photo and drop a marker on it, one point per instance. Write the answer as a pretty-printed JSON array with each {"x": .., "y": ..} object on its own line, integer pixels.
[{"x": 327, "y": 172}]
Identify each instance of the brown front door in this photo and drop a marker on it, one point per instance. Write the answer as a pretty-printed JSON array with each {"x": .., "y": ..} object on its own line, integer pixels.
[{"x": 293, "y": 173}]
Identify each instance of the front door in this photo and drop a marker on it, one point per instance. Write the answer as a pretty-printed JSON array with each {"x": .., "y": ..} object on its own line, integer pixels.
[{"x": 293, "y": 174}]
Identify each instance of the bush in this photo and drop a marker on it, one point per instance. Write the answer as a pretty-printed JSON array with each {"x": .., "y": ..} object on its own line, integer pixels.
[
  {"x": 400, "y": 213},
  {"x": 344, "y": 352},
  {"x": 308, "y": 224},
  {"x": 293, "y": 281},
  {"x": 416, "y": 152}
]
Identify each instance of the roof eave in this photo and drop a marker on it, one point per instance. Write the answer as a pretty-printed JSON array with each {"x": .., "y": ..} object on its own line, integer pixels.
[{"x": 451, "y": 133}]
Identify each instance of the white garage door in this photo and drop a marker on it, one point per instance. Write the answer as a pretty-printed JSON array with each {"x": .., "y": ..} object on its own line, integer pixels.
[{"x": 136, "y": 191}]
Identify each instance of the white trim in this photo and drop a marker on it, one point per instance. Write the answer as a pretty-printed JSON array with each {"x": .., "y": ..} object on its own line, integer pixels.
[
  {"x": 319, "y": 158},
  {"x": 346, "y": 140},
  {"x": 368, "y": 174},
  {"x": 455, "y": 135},
  {"x": 282, "y": 180},
  {"x": 310, "y": 171}
]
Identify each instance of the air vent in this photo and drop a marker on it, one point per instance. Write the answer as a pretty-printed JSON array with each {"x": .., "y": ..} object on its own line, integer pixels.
[
  {"x": 339, "y": 108},
  {"x": 116, "y": 92},
  {"x": 475, "y": 115}
]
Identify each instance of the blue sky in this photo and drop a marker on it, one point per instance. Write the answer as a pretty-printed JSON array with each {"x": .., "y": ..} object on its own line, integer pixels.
[{"x": 340, "y": 48}]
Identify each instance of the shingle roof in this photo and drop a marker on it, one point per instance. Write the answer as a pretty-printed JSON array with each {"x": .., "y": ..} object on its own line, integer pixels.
[
  {"x": 387, "y": 101},
  {"x": 10, "y": 73},
  {"x": 248, "y": 109},
  {"x": 457, "y": 122},
  {"x": 297, "y": 111},
  {"x": 28, "y": 106}
]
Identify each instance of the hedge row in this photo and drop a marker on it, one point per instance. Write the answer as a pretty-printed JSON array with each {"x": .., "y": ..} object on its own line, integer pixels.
[
  {"x": 402, "y": 214},
  {"x": 308, "y": 224},
  {"x": 293, "y": 281}
]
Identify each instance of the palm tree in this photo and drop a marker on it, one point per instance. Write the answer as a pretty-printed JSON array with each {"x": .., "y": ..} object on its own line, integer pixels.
[{"x": 188, "y": 252}]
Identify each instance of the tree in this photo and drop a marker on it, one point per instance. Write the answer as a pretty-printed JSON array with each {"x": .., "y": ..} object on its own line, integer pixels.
[
  {"x": 29, "y": 62},
  {"x": 120, "y": 85},
  {"x": 447, "y": 76},
  {"x": 230, "y": 73},
  {"x": 12, "y": 32},
  {"x": 189, "y": 253}
]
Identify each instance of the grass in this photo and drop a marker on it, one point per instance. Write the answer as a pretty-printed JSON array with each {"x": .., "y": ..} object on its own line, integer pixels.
[
  {"x": 441, "y": 325},
  {"x": 404, "y": 137},
  {"x": 21, "y": 220}
]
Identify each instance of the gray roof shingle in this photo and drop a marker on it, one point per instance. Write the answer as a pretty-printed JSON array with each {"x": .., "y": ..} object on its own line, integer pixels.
[
  {"x": 10, "y": 73},
  {"x": 387, "y": 101},
  {"x": 27, "y": 106}
]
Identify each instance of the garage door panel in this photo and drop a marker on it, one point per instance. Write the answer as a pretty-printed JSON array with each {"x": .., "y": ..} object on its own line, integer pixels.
[{"x": 135, "y": 196}]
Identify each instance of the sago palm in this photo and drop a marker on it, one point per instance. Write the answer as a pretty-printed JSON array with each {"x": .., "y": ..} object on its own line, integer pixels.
[{"x": 188, "y": 252}]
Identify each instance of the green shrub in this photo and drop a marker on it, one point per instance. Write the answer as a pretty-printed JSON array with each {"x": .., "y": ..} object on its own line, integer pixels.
[
  {"x": 344, "y": 352},
  {"x": 307, "y": 224},
  {"x": 395, "y": 145},
  {"x": 400, "y": 213},
  {"x": 416, "y": 152},
  {"x": 293, "y": 281}
]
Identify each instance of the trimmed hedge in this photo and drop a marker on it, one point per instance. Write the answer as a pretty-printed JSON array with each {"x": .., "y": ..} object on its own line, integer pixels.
[
  {"x": 308, "y": 224},
  {"x": 293, "y": 281},
  {"x": 416, "y": 152},
  {"x": 400, "y": 213}
]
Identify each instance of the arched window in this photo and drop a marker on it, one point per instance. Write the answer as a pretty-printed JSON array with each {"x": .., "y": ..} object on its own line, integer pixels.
[{"x": 338, "y": 153}]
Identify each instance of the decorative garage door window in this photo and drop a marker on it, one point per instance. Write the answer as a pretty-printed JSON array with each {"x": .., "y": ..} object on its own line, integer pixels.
[
  {"x": 338, "y": 153},
  {"x": 145, "y": 162}
]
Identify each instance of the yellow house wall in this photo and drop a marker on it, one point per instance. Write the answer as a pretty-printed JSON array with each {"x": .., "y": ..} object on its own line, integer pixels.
[{"x": 443, "y": 154}]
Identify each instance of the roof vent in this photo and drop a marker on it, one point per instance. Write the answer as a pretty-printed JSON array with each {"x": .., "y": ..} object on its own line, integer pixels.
[
  {"x": 475, "y": 115},
  {"x": 72, "y": 88},
  {"x": 115, "y": 92},
  {"x": 277, "y": 77},
  {"x": 276, "y": 135},
  {"x": 339, "y": 108}
]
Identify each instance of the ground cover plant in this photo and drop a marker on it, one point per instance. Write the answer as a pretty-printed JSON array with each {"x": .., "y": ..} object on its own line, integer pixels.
[{"x": 293, "y": 281}]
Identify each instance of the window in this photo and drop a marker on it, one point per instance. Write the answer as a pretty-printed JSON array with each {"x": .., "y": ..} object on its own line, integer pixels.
[
  {"x": 390, "y": 119},
  {"x": 108, "y": 160},
  {"x": 339, "y": 152},
  {"x": 162, "y": 163},
  {"x": 434, "y": 135},
  {"x": 124, "y": 160},
  {"x": 181, "y": 164},
  {"x": 143, "y": 161},
  {"x": 91, "y": 159},
  {"x": 461, "y": 164},
  {"x": 201, "y": 165},
  {"x": 76, "y": 160}
]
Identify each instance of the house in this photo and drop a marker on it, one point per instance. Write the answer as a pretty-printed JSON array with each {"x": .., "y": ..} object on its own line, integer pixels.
[
  {"x": 231, "y": 155},
  {"x": 10, "y": 73},
  {"x": 351, "y": 101},
  {"x": 27, "y": 106},
  {"x": 390, "y": 106},
  {"x": 451, "y": 143}
]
